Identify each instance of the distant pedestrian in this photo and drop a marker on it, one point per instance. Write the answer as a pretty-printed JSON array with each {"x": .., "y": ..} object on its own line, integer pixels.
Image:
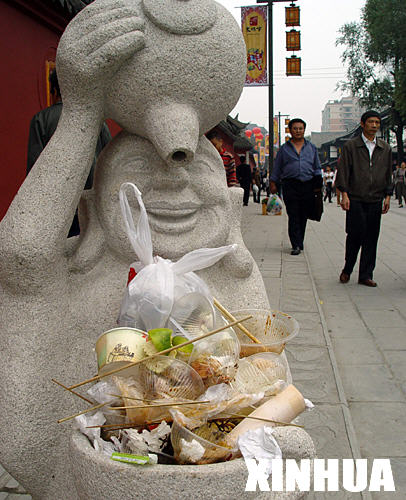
[
  {"x": 365, "y": 180},
  {"x": 256, "y": 185},
  {"x": 228, "y": 159},
  {"x": 328, "y": 179},
  {"x": 244, "y": 178},
  {"x": 400, "y": 183},
  {"x": 297, "y": 165}
]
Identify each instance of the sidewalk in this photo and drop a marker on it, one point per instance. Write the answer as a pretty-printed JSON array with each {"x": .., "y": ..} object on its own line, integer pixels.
[{"x": 350, "y": 356}]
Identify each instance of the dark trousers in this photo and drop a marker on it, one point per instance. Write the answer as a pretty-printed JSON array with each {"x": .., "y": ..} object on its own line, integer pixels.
[
  {"x": 246, "y": 188},
  {"x": 362, "y": 225},
  {"x": 329, "y": 191},
  {"x": 298, "y": 197}
]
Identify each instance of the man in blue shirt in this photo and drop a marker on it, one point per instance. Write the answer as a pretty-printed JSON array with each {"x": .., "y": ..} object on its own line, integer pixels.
[{"x": 297, "y": 166}]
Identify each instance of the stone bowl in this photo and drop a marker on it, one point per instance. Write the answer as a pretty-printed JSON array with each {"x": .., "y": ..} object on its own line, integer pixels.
[{"x": 97, "y": 477}]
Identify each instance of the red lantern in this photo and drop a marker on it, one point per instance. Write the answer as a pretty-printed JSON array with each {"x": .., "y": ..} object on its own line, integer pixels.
[
  {"x": 256, "y": 130},
  {"x": 248, "y": 133},
  {"x": 260, "y": 136}
]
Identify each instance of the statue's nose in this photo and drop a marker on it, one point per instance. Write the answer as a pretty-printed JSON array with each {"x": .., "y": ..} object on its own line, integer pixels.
[{"x": 174, "y": 131}]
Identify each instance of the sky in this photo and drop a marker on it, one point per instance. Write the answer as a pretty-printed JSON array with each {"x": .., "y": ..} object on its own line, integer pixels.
[{"x": 304, "y": 96}]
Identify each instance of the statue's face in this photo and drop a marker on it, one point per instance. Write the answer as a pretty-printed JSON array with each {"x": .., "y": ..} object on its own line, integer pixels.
[{"x": 188, "y": 207}]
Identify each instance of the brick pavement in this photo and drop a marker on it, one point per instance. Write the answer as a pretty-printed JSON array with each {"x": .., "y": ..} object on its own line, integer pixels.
[{"x": 350, "y": 355}]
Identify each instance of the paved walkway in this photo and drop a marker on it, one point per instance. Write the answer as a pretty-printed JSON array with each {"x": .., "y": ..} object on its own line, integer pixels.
[{"x": 350, "y": 355}]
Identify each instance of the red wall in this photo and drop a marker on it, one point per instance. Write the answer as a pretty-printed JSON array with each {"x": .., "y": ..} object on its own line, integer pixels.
[{"x": 25, "y": 45}]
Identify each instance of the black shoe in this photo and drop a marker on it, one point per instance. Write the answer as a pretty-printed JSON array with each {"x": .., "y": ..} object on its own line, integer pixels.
[
  {"x": 368, "y": 282},
  {"x": 295, "y": 251}
]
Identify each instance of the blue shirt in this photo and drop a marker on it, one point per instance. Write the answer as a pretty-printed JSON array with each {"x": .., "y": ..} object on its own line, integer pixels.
[{"x": 291, "y": 165}]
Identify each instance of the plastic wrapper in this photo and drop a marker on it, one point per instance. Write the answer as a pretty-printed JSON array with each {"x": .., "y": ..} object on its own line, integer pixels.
[
  {"x": 156, "y": 283},
  {"x": 224, "y": 400},
  {"x": 103, "y": 392},
  {"x": 274, "y": 205}
]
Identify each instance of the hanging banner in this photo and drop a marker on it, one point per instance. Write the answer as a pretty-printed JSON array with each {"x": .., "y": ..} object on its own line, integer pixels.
[
  {"x": 275, "y": 131},
  {"x": 262, "y": 155},
  {"x": 256, "y": 159},
  {"x": 253, "y": 25},
  {"x": 267, "y": 145}
]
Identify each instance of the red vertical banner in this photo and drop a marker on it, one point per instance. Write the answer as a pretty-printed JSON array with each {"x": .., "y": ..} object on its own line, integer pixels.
[{"x": 254, "y": 26}]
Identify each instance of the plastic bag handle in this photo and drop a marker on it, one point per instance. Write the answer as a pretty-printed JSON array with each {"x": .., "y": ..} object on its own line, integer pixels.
[
  {"x": 139, "y": 237},
  {"x": 201, "y": 258}
]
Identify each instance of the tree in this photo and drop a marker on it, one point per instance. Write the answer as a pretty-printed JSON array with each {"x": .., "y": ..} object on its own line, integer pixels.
[{"x": 375, "y": 52}]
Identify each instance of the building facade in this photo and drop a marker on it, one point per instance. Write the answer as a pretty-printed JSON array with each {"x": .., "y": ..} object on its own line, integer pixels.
[{"x": 341, "y": 116}]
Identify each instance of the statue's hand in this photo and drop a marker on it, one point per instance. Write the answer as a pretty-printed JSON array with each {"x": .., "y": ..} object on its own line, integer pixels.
[{"x": 93, "y": 47}]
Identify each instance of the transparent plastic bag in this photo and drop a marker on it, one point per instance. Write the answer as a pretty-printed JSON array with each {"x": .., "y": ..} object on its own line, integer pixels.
[
  {"x": 274, "y": 206},
  {"x": 158, "y": 282}
]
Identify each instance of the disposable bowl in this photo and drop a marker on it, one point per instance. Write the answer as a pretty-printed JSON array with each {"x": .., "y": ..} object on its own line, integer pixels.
[
  {"x": 200, "y": 446},
  {"x": 266, "y": 372},
  {"x": 216, "y": 358},
  {"x": 162, "y": 380},
  {"x": 272, "y": 328}
]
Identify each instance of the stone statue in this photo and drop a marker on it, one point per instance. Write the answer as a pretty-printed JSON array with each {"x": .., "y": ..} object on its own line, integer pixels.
[{"x": 167, "y": 71}]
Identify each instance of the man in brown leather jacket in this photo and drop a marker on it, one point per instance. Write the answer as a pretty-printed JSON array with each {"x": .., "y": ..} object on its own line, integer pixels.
[{"x": 364, "y": 178}]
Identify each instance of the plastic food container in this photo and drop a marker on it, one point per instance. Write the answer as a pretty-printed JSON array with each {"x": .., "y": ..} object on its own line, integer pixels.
[
  {"x": 266, "y": 372},
  {"x": 162, "y": 380},
  {"x": 272, "y": 328},
  {"x": 200, "y": 446},
  {"x": 216, "y": 358},
  {"x": 118, "y": 347}
]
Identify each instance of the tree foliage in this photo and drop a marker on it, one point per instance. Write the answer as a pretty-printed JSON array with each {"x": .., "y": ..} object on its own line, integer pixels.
[{"x": 375, "y": 54}]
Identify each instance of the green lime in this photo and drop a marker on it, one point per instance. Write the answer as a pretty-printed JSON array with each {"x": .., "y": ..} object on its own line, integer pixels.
[
  {"x": 161, "y": 338},
  {"x": 178, "y": 339}
]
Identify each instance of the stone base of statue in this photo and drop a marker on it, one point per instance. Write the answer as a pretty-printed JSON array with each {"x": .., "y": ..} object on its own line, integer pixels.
[{"x": 97, "y": 477}]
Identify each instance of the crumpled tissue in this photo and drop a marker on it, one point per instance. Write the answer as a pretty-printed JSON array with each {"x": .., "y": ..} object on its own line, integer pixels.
[{"x": 261, "y": 445}]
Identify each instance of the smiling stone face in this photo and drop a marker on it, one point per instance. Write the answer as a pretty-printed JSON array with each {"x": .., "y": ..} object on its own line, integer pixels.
[{"x": 188, "y": 207}]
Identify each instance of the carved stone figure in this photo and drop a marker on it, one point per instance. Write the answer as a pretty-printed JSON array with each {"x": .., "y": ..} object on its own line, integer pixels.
[{"x": 167, "y": 71}]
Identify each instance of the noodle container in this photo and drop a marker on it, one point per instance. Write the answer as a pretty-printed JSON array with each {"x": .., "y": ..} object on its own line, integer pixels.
[
  {"x": 272, "y": 328},
  {"x": 118, "y": 347}
]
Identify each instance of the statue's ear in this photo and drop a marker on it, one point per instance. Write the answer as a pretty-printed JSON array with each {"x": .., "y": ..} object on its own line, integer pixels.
[{"x": 90, "y": 244}]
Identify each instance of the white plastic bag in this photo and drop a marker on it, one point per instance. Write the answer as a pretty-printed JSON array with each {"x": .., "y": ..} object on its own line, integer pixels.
[
  {"x": 274, "y": 206},
  {"x": 158, "y": 282}
]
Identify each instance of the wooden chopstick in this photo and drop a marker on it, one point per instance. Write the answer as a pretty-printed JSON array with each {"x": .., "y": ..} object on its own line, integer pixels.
[
  {"x": 96, "y": 407},
  {"x": 182, "y": 403},
  {"x": 230, "y": 317},
  {"x": 73, "y": 392}
]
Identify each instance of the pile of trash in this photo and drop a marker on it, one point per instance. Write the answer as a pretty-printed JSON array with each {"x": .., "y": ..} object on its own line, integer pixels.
[{"x": 182, "y": 379}]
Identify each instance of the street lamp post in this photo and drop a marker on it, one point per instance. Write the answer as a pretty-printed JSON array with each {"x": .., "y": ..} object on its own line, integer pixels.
[{"x": 270, "y": 73}]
